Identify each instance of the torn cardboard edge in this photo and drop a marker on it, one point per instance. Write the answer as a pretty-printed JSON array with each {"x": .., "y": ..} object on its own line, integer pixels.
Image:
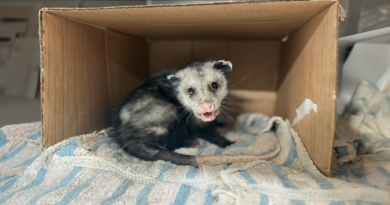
[
  {"x": 342, "y": 13},
  {"x": 303, "y": 110}
]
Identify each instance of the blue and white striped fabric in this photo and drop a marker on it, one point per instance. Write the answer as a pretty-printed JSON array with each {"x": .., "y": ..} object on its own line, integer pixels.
[
  {"x": 90, "y": 169},
  {"x": 362, "y": 139}
]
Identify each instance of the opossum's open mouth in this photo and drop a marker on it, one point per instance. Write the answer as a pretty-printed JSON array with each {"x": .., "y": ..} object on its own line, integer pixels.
[{"x": 208, "y": 116}]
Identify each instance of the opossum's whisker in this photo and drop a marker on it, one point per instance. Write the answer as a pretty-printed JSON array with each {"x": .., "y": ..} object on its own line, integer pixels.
[
  {"x": 239, "y": 82},
  {"x": 184, "y": 113},
  {"x": 188, "y": 117},
  {"x": 231, "y": 109},
  {"x": 227, "y": 114},
  {"x": 232, "y": 100},
  {"x": 229, "y": 103}
]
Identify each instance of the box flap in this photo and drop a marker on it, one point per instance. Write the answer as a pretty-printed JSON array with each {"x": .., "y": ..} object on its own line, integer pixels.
[{"x": 228, "y": 20}]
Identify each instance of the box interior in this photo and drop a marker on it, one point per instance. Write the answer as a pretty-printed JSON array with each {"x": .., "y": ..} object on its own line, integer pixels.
[{"x": 91, "y": 58}]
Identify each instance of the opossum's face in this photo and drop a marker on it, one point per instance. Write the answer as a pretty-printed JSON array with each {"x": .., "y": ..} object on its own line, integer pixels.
[{"x": 202, "y": 87}]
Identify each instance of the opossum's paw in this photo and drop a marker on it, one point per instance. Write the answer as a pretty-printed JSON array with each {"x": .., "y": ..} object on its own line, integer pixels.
[
  {"x": 237, "y": 142},
  {"x": 199, "y": 143},
  {"x": 195, "y": 144}
]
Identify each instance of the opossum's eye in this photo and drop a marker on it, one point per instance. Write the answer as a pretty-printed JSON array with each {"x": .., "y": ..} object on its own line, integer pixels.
[
  {"x": 190, "y": 91},
  {"x": 214, "y": 85}
]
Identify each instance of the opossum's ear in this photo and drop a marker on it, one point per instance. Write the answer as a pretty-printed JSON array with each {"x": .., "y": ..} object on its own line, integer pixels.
[
  {"x": 224, "y": 66},
  {"x": 175, "y": 81}
]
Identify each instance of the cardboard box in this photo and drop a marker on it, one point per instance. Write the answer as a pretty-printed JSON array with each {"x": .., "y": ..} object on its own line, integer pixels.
[{"x": 92, "y": 57}]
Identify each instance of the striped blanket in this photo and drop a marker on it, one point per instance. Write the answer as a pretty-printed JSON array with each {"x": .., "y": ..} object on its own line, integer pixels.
[
  {"x": 90, "y": 169},
  {"x": 362, "y": 139}
]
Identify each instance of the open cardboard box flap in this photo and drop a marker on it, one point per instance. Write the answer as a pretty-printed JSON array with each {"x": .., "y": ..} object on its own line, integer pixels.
[{"x": 91, "y": 58}]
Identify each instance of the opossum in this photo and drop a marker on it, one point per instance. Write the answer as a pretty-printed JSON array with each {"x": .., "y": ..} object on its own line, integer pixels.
[{"x": 171, "y": 110}]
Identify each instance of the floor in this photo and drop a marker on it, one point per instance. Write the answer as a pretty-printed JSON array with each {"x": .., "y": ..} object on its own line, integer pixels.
[{"x": 15, "y": 110}]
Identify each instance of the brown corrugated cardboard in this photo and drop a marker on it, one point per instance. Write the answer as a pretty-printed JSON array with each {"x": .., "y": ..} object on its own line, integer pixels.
[
  {"x": 91, "y": 58},
  {"x": 74, "y": 89},
  {"x": 308, "y": 70}
]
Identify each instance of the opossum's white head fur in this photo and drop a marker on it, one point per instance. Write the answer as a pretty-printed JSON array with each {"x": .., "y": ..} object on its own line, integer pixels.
[{"x": 202, "y": 86}]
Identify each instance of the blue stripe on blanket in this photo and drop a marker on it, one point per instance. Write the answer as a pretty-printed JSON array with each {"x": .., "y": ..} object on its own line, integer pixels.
[
  {"x": 8, "y": 184},
  {"x": 147, "y": 168},
  {"x": 191, "y": 173},
  {"x": 388, "y": 101},
  {"x": 366, "y": 139},
  {"x": 184, "y": 190},
  {"x": 249, "y": 133},
  {"x": 68, "y": 150},
  {"x": 247, "y": 176},
  {"x": 258, "y": 123},
  {"x": 144, "y": 193},
  {"x": 385, "y": 143},
  {"x": 209, "y": 199},
  {"x": 35, "y": 136},
  {"x": 218, "y": 150},
  {"x": 167, "y": 166},
  {"x": 373, "y": 114},
  {"x": 3, "y": 138},
  {"x": 336, "y": 203},
  {"x": 297, "y": 202},
  {"x": 101, "y": 142},
  {"x": 373, "y": 85},
  {"x": 336, "y": 136},
  {"x": 182, "y": 195},
  {"x": 2, "y": 179},
  {"x": 68, "y": 178},
  {"x": 225, "y": 166},
  {"x": 268, "y": 151},
  {"x": 343, "y": 172},
  {"x": 20, "y": 148},
  {"x": 292, "y": 153},
  {"x": 264, "y": 200},
  {"x": 341, "y": 151},
  {"x": 204, "y": 147},
  {"x": 13, "y": 153},
  {"x": 384, "y": 172},
  {"x": 130, "y": 158},
  {"x": 362, "y": 178},
  {"x": 36, "y": 182},
  {"x": 324, "y": 183},
  {"x": 118, "y": 193},
  {"x": 26, "y": 163},
  {"x": 359, "y": 202},
  {"x": 245, "y": 121},
  {"x": 285, "y": 180},
  {"x": 143, "y": 196},
  {"x": 244, "y": 126},
  {"x": 361, "y": 149},
  {"x": 72, "y": 195}
]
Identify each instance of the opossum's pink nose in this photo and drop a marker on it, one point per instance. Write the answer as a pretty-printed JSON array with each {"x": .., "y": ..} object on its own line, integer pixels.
[{"x": 206, "y": 106}]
